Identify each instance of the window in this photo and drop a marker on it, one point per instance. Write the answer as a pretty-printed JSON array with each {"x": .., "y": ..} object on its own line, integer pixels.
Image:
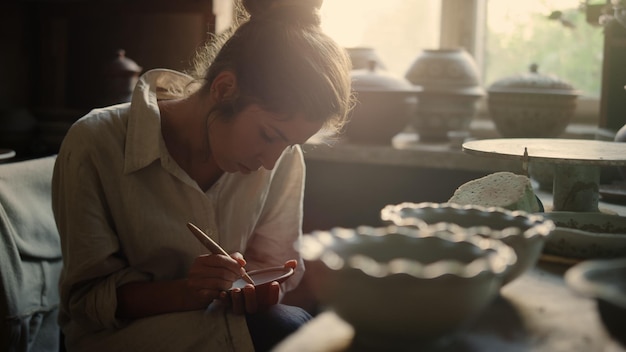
[
  {"x": 397, "y": 29},
  {"x": 505, "y": 37},
  {"x": 551, "y": 33}
]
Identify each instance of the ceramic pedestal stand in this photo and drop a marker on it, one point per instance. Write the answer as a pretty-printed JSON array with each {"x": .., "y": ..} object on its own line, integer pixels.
[{"x": 576, "y": 162}]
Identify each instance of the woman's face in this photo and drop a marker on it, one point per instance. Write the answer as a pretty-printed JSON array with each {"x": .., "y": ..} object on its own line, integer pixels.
[{"x": 256, "y": 138}]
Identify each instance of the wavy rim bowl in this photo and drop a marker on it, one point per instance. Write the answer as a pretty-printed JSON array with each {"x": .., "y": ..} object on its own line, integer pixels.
[
  {"x": 406, "y": 214},
  {"x": 393, "y": 282},
  {"x": 500, "y": 256},
  {"x": 525, "y": 232}
]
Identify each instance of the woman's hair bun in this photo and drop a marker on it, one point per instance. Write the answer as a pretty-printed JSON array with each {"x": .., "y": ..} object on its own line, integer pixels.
[{"x": 292, "y": 9}]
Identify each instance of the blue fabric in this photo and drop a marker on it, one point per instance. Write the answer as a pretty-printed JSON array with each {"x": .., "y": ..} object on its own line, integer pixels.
[
  {"x": 30, "y": 258},
  {"x": 269, "y": 327}
]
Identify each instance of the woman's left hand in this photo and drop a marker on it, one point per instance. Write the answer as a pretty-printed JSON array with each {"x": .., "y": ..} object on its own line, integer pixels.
[{"x": 251, "y": 299}]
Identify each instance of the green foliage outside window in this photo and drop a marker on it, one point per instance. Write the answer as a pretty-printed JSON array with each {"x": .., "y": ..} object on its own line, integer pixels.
[{"x": 562, "y": 43}]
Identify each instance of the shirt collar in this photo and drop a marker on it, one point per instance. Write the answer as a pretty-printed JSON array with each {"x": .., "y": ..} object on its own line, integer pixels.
[{"x": 144, "y": 141}]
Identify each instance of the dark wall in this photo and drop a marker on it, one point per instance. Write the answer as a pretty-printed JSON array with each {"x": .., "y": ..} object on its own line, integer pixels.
[
  {"x": 55, "y": 52},
  {"x": 352, "y": 194}
]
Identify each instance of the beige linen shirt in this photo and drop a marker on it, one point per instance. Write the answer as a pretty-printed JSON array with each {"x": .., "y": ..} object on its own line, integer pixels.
[{"x": 121, "y": 204}]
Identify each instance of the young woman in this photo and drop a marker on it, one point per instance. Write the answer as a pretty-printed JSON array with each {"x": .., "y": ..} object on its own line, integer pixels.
[{"x": 220, "y": 151}]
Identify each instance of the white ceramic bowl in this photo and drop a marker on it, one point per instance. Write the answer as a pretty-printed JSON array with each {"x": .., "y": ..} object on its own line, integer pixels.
[
  {"x": 526, "y": 233},
  {"x": 404, "y": 285},
  {"x": 587, "y": 235},
  {"x": 264, "y": 277},
  {"x": 605, "y": 281}
]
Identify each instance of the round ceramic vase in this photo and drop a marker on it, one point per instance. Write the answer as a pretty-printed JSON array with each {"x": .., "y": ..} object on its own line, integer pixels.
[
  {"x": 450, "y": 88},
  {"x": 384, "y": 106}
]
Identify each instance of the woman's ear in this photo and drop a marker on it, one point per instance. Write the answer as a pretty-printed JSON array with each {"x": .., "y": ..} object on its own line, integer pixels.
[{"x": 224, "y": 86}]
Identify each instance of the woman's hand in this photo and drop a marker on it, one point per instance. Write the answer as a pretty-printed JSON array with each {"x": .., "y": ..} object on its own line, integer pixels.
[
  {"x": 212, "y": 274},
  {"x": 251, "y": 299}
]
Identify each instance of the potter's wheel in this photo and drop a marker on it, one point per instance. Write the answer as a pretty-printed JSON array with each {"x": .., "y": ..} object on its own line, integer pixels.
[{"x": 576, "y": 162}]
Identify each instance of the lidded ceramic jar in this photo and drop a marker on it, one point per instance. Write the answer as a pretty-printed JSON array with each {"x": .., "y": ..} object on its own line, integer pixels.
[
  {"x": 361, "y": 56},
  {"x": 384, "y": 105},
  {"x": 451, "y": 87},
  {"x": 531, "y": 105},
  {"x": 121, "y": 76}
]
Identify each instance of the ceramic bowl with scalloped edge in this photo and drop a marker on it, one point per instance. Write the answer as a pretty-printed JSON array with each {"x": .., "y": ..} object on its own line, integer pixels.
[
  {"x": 526, "y": 233},
  {"x": 404, "y": 285}
]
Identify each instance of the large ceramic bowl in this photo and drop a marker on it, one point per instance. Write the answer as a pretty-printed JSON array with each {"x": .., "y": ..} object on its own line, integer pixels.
[
  {"x": 526, "y": 233},
  {"x": 605, "y": 281},
  {"x": 587, "y": 235},
  {"x": 404, "y": 285}
]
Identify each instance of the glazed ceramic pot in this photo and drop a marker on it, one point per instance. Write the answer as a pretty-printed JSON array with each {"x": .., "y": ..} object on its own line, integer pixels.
[
  {"x": 450, "y": 83},
  {"x": 385, "y": 104},
  {"x": 531, "y": 105}
]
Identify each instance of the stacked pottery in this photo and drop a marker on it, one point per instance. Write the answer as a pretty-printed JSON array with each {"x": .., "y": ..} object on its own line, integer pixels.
[{"x": 451, "y": 88}]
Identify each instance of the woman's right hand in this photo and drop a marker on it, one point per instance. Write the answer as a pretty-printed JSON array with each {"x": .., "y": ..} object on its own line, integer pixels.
[{"x": 211, "y": 274}]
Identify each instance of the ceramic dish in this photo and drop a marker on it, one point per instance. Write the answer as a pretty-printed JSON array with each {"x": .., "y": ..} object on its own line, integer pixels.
[
  {"x": 263, "y": 277},
  {"x": 525, "y": 233},
  {"x": 605, "y": 281},
  {"x": 586, "y": 235},
  {"x": 403, "y": 285}
]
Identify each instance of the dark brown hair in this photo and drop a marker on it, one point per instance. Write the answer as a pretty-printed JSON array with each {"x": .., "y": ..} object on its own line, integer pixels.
[{"x": 283, "y": 62}]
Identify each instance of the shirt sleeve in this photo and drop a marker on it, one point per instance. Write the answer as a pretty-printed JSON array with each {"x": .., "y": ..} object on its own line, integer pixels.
[
  {"x": 94, "y": 265},
  {"x": 277, "y": 235}
]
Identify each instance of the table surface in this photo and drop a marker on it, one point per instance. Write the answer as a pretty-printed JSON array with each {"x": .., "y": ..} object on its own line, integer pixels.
[
  {"x": 536, "y": 312},
  {"x": 555, "y": 150}
]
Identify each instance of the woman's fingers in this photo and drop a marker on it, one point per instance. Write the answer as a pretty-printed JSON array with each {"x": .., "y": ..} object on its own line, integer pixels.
[
  {"x": 292, "y": 263},
  {"x": 214, "y": 262},
  {"x": 211, "y": 274},
  {"x": 250, "y": 299},
  {"x": 238, "y": 257},
  {"x": 274, "y": 293}
]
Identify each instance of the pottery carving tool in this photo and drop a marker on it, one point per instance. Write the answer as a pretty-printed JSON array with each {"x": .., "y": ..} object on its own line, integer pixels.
[{"x": 213, "y": 246}]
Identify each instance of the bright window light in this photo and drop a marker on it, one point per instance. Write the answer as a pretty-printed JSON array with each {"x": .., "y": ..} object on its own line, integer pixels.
[{"x": 397, "y": 29}]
